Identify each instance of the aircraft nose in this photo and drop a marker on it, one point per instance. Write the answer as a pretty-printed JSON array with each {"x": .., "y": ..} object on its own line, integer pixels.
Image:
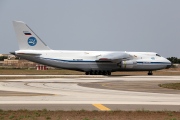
[{"x": 169, "y": 64}]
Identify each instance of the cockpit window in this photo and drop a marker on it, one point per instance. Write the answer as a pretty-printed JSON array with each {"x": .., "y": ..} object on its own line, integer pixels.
[{"x": 158, "y": 55}]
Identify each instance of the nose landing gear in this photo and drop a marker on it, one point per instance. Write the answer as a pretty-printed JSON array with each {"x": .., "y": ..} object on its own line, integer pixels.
[{"x": 150, "y": 73}]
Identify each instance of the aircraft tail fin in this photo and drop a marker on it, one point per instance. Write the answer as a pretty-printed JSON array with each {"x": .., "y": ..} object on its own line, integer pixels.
[{"x": 27, "y": 39}]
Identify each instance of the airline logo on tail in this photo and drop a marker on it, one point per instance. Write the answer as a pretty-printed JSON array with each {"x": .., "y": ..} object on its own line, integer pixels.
[{"x": 32, "y": 41}]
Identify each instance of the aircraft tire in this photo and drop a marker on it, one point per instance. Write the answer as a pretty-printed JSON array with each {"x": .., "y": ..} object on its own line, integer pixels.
[
  {"x": 109, "y": 73},
  {"x": 91, "y": 73},
  {"x": 150, "y": 73},
  {"x": 87, "y": 73},
  {"x": 105, "y": 72},
  {"x": 99, "y": 72}
]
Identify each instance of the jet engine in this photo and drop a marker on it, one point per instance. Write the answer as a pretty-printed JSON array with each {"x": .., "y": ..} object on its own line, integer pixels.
[{"x": 127, "y": 64}]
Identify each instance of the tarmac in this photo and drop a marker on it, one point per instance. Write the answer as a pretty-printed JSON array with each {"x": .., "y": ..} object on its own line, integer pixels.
[{"x": 129, "y": 93}]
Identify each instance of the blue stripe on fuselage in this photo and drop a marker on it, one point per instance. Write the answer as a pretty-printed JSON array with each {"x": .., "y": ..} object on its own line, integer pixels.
[
  {"x": 153, "y": 62},
  {"x": 102, "y": 61},
  {"x": 67, "y": 60}
]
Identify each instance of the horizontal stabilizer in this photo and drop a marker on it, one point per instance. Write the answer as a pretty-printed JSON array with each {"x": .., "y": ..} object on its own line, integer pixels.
[{"x": 28, "y": 54}]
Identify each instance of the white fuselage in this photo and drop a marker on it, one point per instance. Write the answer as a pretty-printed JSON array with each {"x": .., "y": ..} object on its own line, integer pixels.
[{"x": 88, "y": 60}]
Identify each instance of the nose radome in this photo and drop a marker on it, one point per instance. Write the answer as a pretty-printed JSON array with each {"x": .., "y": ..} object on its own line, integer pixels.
[{"x": 169, "y": 64}]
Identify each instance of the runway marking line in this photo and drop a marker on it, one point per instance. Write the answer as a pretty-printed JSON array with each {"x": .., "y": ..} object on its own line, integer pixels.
[{"x": 101, "y": 107}]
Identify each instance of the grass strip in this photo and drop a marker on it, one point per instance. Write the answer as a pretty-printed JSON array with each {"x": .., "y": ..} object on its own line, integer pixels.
[
  {"x": 175, "y": 86},
  {"x": 88, "y": 115}
]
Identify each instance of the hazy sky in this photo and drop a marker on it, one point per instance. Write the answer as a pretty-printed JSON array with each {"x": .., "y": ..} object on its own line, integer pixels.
[{"x": 108, "y": 25}]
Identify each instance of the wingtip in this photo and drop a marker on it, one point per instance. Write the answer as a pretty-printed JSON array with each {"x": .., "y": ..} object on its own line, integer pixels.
[{"x": 13, "y": 53}]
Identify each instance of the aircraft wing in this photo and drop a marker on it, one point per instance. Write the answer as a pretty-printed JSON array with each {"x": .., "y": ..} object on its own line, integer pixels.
[{"x": 113, "y": 57}]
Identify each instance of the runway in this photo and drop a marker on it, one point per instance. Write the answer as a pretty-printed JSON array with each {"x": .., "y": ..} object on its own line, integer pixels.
[{"x": 90, "y": 93}]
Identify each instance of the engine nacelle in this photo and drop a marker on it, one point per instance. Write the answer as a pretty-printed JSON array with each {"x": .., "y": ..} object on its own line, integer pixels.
[{"x": 127, "y": 64}]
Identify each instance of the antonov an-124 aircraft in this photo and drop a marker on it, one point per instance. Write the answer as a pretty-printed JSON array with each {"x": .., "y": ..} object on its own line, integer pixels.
[{"x": 32, "y": 48}]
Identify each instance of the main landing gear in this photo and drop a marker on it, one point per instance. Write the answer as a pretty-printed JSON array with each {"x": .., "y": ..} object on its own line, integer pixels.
[
  {"x": 96, "y": 72},
  {"x": 150, "y": 73}
]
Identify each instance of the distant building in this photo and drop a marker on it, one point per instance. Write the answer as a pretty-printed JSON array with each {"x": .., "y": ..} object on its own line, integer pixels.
[
  {"x": 177, "y": 65},
  {"x": 1, "y": 63},
  {"x": 4, "y": 54},
  {"x": 18, "y": 63},
  {"x": 15, "y": 62},
  {"x": 11, "y": 57}
]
